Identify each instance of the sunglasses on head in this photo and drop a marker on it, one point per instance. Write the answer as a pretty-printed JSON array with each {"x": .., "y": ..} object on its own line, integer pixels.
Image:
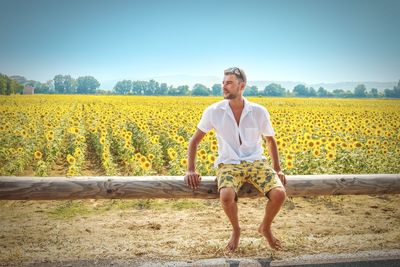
[{"x": 236, "y": 71}]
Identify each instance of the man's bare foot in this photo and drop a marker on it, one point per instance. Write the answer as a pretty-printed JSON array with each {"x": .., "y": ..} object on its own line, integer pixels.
[
  {"x": 272, "y": 241},
  {"x": 233, "y": 241}
]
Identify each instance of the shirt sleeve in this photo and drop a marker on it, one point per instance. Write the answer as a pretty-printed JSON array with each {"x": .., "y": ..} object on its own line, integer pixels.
[
  {"x": 205, "y": 124},
  {"x": 266, "y": 126}
]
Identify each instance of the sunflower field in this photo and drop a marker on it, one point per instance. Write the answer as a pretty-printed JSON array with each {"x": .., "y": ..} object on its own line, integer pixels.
[{"x": 138, "y": 135}]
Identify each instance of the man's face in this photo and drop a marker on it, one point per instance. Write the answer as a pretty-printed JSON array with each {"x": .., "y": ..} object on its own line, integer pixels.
[{"x": 232, "y": 87}]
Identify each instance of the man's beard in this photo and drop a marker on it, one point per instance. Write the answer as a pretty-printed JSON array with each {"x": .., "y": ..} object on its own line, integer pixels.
[{"x": 229, "y": 96}]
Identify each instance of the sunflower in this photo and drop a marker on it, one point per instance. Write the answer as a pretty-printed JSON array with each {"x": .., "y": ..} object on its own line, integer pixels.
[
  {"x": 183, "y": 162},
  {"x": 289, "y": 157},
  {"x": 331, "y": 145},
  {"x": 78, "y": 152},
  {"x": 211, "y": 158},
  {"x": 357, "y": 144},
  {"x": 71, "y": 159},
  {"x": 82, "y": 138},
  {"x": 316, "y": 152},
  {"x": 181, "y": 139},
  {"x": 73, "y": 130},
  {"x": 143, "y": 159},
  {"x": 146, "y": 165},
  {"x": 38, "y": 155},
  {"x": 102, "y": 140},
  {"x": 172, "y": 154},
  {"x": 289, "y": 164},
  {"x": 330, "y": 155},
  {"x": 105, "y": 156},
  {"x": 310, "y": 144}
]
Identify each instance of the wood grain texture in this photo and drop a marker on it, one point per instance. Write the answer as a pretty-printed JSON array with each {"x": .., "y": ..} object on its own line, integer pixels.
[{"x": 135, "y": 187}]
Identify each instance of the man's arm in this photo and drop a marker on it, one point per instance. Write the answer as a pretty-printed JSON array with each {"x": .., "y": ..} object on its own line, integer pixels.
[
  {"x": 273, "y": 153},
  {"x": 192, "y": 178}
]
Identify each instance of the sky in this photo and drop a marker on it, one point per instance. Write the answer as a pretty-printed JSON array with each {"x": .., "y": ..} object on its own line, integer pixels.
[{"x": 299, "y": 40}]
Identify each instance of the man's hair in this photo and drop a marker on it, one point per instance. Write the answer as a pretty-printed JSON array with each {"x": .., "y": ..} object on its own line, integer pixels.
[{"x": 239, "y": 73}]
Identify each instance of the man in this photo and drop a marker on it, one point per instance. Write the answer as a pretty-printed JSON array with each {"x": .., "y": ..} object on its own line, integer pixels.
[{"x": 239, "y": 125}]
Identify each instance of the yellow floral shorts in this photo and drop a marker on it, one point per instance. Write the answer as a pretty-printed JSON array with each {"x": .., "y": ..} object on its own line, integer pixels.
[{"x": 259, "y": 173}]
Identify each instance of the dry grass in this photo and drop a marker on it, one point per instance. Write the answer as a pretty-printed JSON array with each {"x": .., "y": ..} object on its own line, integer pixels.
[{"x": 38, "y": 231}]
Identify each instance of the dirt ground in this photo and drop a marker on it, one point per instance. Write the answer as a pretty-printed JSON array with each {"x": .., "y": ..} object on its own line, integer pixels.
[{"x": 164, "y": 230}]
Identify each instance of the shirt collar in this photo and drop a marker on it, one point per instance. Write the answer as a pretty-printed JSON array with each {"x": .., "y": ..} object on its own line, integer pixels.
[{"x": 247, "y": 107}]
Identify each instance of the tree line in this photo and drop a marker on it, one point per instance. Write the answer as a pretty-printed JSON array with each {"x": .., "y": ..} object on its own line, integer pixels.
[
  {"x": 9, "y": 86},
  {"x": 65, "y": 84}
]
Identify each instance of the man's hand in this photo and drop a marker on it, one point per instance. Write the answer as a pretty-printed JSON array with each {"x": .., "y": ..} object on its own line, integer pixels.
[
  {"x": 282, "y": 177},
  {"x": 192, "y": 179}
]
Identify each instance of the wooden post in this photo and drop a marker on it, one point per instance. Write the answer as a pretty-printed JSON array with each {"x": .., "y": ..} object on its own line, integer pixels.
[{"x": 132, "y": 187}]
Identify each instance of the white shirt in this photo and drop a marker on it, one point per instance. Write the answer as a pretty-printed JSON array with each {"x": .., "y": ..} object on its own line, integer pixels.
[{"x": 254, "y": 122}]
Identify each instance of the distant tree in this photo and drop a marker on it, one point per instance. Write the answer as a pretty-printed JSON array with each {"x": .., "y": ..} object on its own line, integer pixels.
[
  {"x": 216, "y": 89},
  {"x": 360, "y": 91},
  {"x": 274, "y": 89},
  {"x": 250, "y": 91},
  {"x": 300, "y": 90},
  {"x": 123, "y": 87},
  {"x": 312, "y": 92},
  {"x": 19, "y": 88},
  {"x": 348, "y": 93},
  {"x": 162, "y": 89},
  {"x": 151, "y": 88},
  {"x": 338, "y": 93},
  {"x": 180, "y": 90},
  {"x": 9, "y": 86},
  {"x": 184, "y": 90},
  {"x": 10, "y": 89},
  {"x": 139, "y": 87},
  {"x": 396, "y": 90},
  {"x": 86, "y": 85},
  {"x": 50, "y": 85},
  {"x": 388, "y": 93},
  {"x": 3, "y": 84},
  {"x": 59, "y": 84},
  {"x": 19, "y": 79},
  {"x": 70, "y": 84},
  {"x": 395, "y": 93},
  {"x": 40, "y": 88},
  {"x": 373, "y": 92},
  {"x": 322, "y": 92},
  {"x": 200, "y": 90},
  {"x": 172, "y": 91}
]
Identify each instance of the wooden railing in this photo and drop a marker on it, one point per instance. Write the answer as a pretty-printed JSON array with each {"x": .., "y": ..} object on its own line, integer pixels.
[{"x": 130, "y": 187}]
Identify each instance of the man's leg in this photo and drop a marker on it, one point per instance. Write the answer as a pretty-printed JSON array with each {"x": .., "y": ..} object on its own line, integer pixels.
[
  {"x": 227, "y": 197},
  {"x": 277, "y": 197}
]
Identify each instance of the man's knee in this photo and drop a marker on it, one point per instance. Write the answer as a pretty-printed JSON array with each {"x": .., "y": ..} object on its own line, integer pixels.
[
  {"x": 227, "y": 195},
  {"x": 277, "y": 194}
]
